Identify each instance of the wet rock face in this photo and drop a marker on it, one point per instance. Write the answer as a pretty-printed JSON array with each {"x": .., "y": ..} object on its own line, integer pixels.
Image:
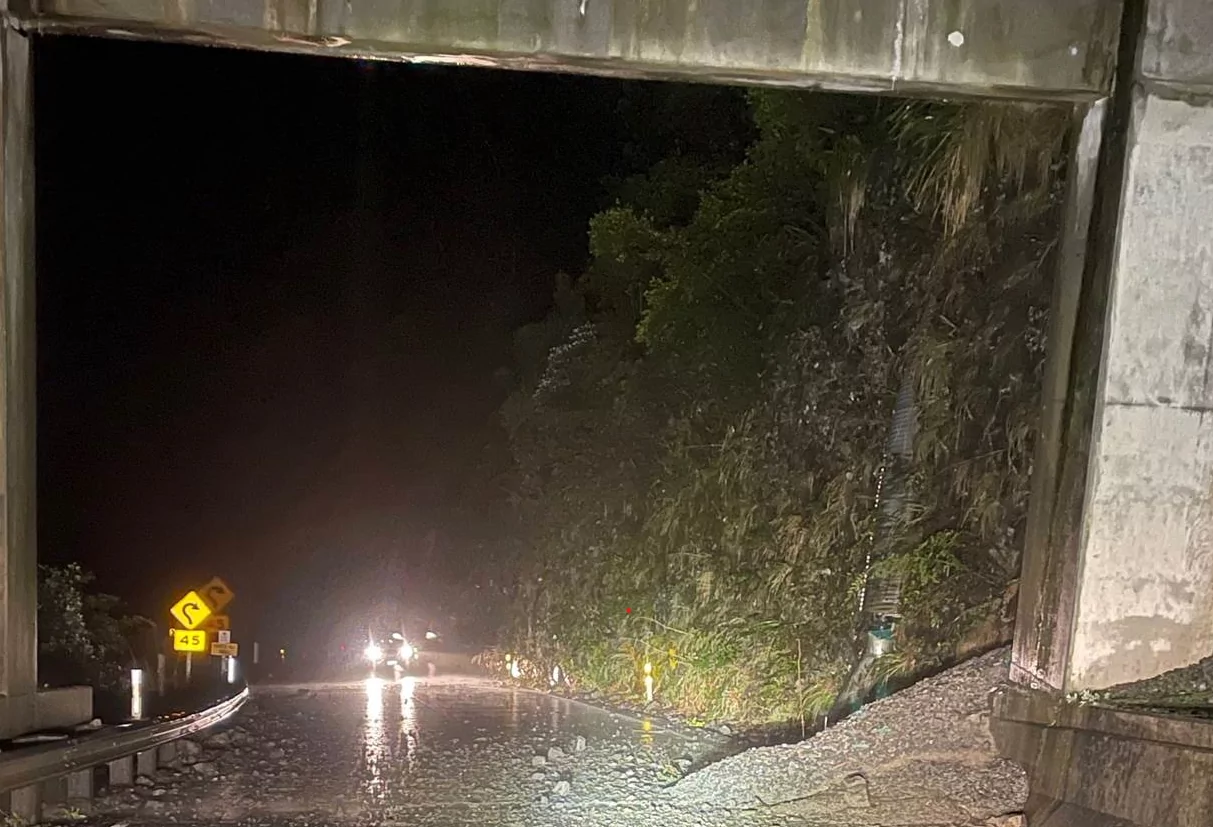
[{"x": 446, "y": 752}]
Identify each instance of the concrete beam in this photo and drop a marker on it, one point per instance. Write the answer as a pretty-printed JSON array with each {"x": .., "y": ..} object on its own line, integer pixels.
[
  {"x": 18, "y": 549},
  {"x": 1095, "y": 766},
  {"x": 1026, "y": 48}
]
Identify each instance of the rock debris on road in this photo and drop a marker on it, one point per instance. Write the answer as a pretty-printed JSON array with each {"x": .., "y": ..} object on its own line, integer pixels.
[
  {"x": 461, "y": 752},
  {"x": 924, "y": 756}
]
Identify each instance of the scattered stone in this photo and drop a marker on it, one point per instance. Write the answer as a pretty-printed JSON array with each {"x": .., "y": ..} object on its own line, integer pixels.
[
  {"x": 158, "y": 792},
  {"x": 276, "y": 754},
  {"x": 189, "y": 751},
  {"x": 1014, "y": 820},
  {"x": 855, "y": 791},
  {"x": 144, "y": 781},
  {"x": 725, "y": 729},
  {"x": 538, "y": 776},
  {"x": 206, "y": 769},
  {"x": 220, "y": 740},
  {"x": 538, "y": 761},
  {"x": 62, "y": 812},
  {"x": 555, "y": 753},
  {"x": 562, "y": 788},
  {"x": 579, "y": 744},
  {"x": 153, "y": 806}
]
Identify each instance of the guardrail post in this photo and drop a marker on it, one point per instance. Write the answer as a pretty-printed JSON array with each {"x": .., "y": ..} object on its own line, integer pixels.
[
  {"x": 145, "y": 762},
  {"x": 168, "y": 752},
  {"x": 26, "y": 803},
  {"x": 80, "y": 786},
  {"x": 122, "y": 771}
]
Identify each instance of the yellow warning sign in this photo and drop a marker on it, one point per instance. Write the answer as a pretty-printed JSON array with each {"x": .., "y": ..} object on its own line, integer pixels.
[{"x": 191, "y": 610}]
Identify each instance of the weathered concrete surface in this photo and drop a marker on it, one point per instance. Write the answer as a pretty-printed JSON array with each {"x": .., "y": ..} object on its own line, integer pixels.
[
  {"x": 66, "y": 706},
  {"x": 1105, "y": 768},
  {"x": 1119, "y": 564},
  {"x": 1034, "y": 48},
  {"x": 18, "y": 554},
  {"x": 1145, "y": 601}
]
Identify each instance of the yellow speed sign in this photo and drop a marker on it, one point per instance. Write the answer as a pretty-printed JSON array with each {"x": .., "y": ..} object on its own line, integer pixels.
[{"x": 189, "y": 640}]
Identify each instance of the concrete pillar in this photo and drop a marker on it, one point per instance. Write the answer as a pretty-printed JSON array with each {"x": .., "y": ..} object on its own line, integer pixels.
[
  {"x": 1118, "y": 571},
  {"x": 80, "y": 786},
  {"x": 145, "y": 762},
  {"x": 25, "y": 803},
  {"x": 122, "y": 771},
  {"x": 18, "y": 554}
]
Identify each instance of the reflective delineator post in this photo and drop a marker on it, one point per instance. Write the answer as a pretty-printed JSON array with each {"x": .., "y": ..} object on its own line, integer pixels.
[
  {"x": 189, "y": 666},
  {"x": 136, "y": 694},
  {"x": 648, "y": 682},
  {"x": 160, "y": 670},
  {"x": 256, "y": 653},
  {"x": 231, "y": 670}
]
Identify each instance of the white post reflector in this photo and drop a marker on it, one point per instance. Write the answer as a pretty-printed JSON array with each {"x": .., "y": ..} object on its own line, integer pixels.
[{"x": 136, "y": 694}]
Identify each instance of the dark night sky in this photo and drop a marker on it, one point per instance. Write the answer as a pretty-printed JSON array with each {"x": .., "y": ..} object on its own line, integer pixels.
[{"x": 272, "y": 294}]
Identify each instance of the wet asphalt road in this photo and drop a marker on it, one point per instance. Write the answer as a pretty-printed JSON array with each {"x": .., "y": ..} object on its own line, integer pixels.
[{"x": 426, "y": 752}]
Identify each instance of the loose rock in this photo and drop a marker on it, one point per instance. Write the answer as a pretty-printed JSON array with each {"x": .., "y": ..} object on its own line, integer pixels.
[
  {"x": 856, "y": 787},
  {"x": 189, "y": 751},
  {"x": 206, "y": 769}
]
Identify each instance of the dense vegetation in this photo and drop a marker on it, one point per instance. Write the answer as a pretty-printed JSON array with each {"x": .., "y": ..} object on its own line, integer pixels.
[
  {"x": 698, "y": 433},
  {"x": 86, "y": 637}
]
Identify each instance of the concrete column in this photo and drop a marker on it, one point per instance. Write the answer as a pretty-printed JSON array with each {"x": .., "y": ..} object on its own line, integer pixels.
[
  {"x": 18, "y": 554},
  {"x": 122, "y": 771},
  {"x": 26, "y": 804},
  {"x": 145, "y": 762},
  {"x": 1118, "y": 571},
  {"x": 80, "y": 785}
]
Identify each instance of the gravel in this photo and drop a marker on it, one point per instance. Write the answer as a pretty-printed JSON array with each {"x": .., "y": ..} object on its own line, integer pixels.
[
  {"x": 461, "y": 753},
  {"x": 925, "y": 755}
]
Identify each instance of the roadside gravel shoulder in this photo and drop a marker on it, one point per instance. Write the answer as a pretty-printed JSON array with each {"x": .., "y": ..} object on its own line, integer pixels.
[{"x": 922, "y": 756}]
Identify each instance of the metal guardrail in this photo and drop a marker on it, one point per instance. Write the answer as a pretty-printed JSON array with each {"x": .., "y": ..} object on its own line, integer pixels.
[{"x": 34, "y": 765}]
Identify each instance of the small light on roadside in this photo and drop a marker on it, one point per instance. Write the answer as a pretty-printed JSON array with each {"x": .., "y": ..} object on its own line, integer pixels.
[
  {"x": 515, "y": 670},
  {"x": 231, "y": 670}
]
